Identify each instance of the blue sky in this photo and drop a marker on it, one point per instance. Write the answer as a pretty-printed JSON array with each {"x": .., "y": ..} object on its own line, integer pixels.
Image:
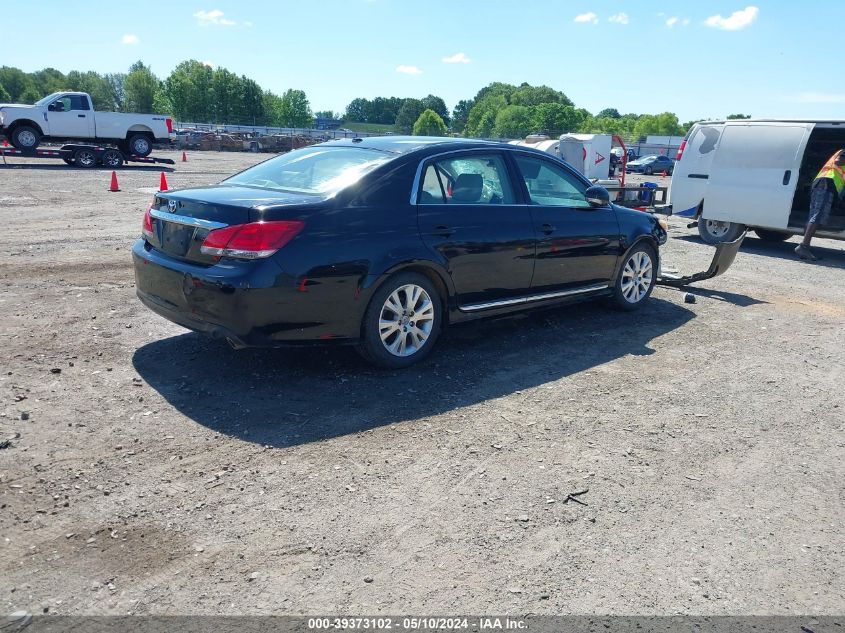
[{"x": 697, "y": 59}]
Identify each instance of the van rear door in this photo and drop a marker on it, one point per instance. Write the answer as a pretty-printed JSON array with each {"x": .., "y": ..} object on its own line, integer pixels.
[
  {"x": 755, "y": 172},
  {"x": 692, "y": 169}
]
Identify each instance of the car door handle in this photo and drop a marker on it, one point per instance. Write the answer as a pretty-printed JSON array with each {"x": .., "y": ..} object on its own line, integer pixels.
[
  {"x": 443, "y": 231},
  {"x": 81, "y": 116},
  {"x": 548, "y": 229},
  {"x": 786, "y": 176}
]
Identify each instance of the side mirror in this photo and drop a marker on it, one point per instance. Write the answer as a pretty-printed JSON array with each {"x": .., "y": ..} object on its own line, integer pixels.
[
  {"x": 56, "y": 106},
  {"x": 597, "y": 196},
  {"x": 51, "y": 107}
]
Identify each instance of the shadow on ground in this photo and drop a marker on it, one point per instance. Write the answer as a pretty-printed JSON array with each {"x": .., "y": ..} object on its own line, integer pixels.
[
  {"x": 830, "y": 257},
  {"x": 287, "y": 397}
]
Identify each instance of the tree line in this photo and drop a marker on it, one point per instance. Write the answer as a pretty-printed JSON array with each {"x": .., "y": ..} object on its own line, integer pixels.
[{"x": 194, "y": 91}]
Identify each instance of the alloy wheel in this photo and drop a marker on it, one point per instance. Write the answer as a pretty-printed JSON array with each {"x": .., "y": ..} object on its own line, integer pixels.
[
  {"x": 406, "y": 320},
  {"x": 717, "y": 228},
  {"x": 637, "y": 277},
  {"x": 27, "y": 139}
]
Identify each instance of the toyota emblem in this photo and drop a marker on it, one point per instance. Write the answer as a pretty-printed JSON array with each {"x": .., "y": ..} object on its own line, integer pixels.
[{"x": 171, "y": 205}]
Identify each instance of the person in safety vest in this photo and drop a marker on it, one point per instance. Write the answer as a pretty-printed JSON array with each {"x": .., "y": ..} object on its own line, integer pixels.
[{"x": 828, "y": 187}]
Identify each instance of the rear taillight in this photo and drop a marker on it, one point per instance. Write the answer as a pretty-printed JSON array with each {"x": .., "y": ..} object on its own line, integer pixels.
[
  {"x": 251, "y": 241},
  {"x": 681, "y": 150},
  {"x": 147, "y": 226},
  {"x": 169, "y": 123}
]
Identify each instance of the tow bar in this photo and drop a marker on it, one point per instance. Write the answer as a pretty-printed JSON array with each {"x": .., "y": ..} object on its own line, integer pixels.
[{"x": 722, "y": 260}]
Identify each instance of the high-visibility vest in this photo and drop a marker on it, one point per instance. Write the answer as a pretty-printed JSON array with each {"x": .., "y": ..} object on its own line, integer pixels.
[{"x": 834, "y": 172}]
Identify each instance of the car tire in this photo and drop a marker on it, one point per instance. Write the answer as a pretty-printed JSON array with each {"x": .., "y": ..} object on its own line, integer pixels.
[
  {"x": 85, "y": 157},
  {"x": 139, "y": 145},
  {"x": 25, "y": 138},
  {"x": 112, "y": 158},
  {"x": 636, "y": 278},
  {"x": 772, "y": 236},
  {"x": 717, "y": 231},
  {"x": 648, "y": 171},
  {"x": 402, "y": 322}
]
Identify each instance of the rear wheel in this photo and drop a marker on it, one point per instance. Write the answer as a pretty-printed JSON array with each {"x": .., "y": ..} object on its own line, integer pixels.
[
  {"x": 25, "y": 138},
  {"x": 772, "y": 236},
  {"x": 718, "y": 231},
  {"x": 636, "y": 277},
  {"x": 112, "y": 158},
  {"x": 402, "y": 322},
  {"x": 85, "y": 157},
  {"x": 139, "y": 145},
  {"x": 648, "y": 171}
]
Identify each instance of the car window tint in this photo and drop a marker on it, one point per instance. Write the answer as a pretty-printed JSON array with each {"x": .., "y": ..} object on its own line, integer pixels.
[
  {"x": 551, "y": 185},
  {"x": 65, "y": 101},
  {"x": 78, "y": 102},
  {"x": 432, "y": 191},
  {"x": 475, "y": 180}
]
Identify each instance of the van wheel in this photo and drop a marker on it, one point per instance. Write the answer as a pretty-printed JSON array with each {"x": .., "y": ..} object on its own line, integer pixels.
[
  {"x": 772, "y": 236},
  {"x": 139, "y": 145},
  {"x": 402, "y": 322},
  {"x": 717, "y": 231}
]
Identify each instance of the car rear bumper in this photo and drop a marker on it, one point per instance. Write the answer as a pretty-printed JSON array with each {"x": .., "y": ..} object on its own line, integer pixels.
[{"x": 252, "y": 304}]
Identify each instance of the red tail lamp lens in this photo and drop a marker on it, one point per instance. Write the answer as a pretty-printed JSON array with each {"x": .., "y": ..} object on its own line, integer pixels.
[{"x": 251, "y": 241}]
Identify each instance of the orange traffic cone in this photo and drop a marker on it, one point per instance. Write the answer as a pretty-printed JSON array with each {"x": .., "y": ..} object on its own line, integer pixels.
[
  {"x": 5, "y": 143},
  {"x": 113, "y": 186},
  {"x": 163, "y": 184},
  {"x": 184, "y": 158},
  {"x": 664, "y": 173}
]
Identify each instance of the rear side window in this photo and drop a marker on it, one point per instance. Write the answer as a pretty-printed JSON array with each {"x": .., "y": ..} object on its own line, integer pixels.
[
  {"x": 78, "y": 102},
  {"x": 467, "y": 180},
  {"x": 550, "y": 185}
]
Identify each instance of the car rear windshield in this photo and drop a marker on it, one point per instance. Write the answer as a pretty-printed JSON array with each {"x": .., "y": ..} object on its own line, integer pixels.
[{"x": 316, "y": 170}]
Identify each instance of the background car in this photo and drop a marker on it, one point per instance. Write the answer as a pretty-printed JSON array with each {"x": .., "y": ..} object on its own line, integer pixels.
[
  {"x": 381, "y": 242},
  {"x": 652, "y": 165}
]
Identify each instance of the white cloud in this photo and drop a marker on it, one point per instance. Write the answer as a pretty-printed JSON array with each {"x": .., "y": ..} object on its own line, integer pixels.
[
  {"x": 619, "y": 18},
  {"x": 408, "y": 70},
  {"x": 736, "y": 21},
  {"x": 818, "y": 97},
  {"x": 207, "y": 63},
  {"x": 213, "y": 18},
  {"x": 587, "y": 18},
  {"x": 671, "y": 22},
  {"x": 457, "y": 58},
  {"x": 129, "y": 38}
]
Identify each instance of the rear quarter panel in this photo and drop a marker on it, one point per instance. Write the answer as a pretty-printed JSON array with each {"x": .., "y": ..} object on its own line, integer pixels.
[{"x": 118, "y": 125}]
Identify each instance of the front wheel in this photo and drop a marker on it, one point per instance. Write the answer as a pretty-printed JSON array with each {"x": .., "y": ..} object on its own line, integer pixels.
[
  {"x": 718, "y": 231},
  {"x": 648, "y": 171},
  {"x": 139, "y": 145},
  {"x": 636, "y": 277},
  {"x": 402, "y": 322},
  {"x": 25, "y": 138}
]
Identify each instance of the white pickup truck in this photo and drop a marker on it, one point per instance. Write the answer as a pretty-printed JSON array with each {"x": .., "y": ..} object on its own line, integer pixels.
[{"x": 66, "y": 116}]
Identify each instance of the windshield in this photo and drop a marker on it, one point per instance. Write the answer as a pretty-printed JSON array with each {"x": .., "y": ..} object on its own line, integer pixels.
[
  {"x": 48, "y": 99},
  {"x": 317, "y": 169}
]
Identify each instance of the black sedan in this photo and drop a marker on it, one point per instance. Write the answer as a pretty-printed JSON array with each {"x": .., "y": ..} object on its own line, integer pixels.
[
  {"x": 382, "y": 242},
  {"x": 652, "y": 165}
]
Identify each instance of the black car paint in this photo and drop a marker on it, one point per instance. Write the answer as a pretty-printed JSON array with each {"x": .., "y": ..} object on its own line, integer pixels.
[{"x": 317, "y": 287}]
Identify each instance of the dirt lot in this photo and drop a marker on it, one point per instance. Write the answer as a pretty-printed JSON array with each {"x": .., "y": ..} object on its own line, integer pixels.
[{"x": 153, "y": 471}]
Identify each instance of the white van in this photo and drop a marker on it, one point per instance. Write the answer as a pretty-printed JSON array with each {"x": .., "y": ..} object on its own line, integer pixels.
[{"x": 755, "y": 174}]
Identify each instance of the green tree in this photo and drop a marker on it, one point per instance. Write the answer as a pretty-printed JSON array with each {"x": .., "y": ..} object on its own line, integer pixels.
[
  {"x": 295, "y": 111},
  {"x": 609, "y": 113},
  {"x": 5, "y": 97},
  {"x": 432, "y": 102},
  {"x": 253, "y": 102},
  {"x": 528, "y": 95},
  {"x": 514, "y": 121},
  {"x": 48, "y": 80},
  {"x": 227, "y": 95},
  {"x": 357, "y": 111},
  {"x": 555, "y": 119},
  {"x": 460, "y": 114},
  {"x": 408, "y": 115},
  {"x": 15, "y": 81},
  {"x": 188, "y": 88},
  {"x": 429, "y": 123},
  {"x": 738, "y": 116},
  {"x": 140, "y": 87}
]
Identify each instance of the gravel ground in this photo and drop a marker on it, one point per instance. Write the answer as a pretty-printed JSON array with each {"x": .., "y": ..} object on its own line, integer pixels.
[{"x": 150, "y": 470}]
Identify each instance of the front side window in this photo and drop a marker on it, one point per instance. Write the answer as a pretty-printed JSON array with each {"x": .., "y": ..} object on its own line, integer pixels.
[
  {"x": 551, "y": 185},
  {"x": 313, "y": 170},
  {"x": 467, "y": 180}
]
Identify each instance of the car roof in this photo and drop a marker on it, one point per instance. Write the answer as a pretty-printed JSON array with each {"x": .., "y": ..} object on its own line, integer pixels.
[{"x": 407, "y": 144}]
